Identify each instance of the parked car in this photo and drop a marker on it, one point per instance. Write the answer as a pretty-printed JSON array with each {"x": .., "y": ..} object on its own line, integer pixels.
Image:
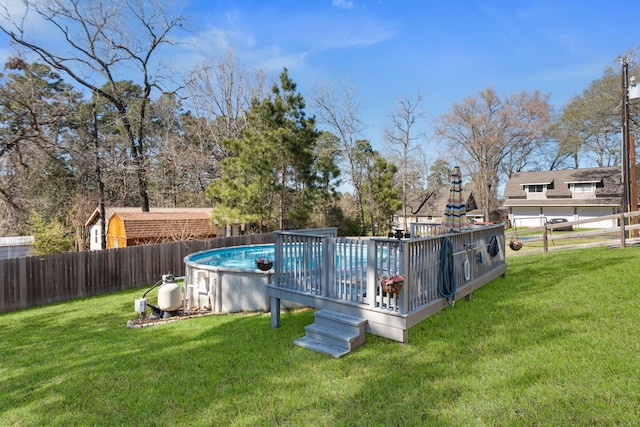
[{"x": 560, "y": 221}]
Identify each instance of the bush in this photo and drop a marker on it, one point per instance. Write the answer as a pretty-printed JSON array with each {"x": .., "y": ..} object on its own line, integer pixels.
[{"x": 50, "y": 237}]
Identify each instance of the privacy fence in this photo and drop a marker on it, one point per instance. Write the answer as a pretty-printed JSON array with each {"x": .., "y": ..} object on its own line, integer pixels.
[{"x": 37, "y": 280}]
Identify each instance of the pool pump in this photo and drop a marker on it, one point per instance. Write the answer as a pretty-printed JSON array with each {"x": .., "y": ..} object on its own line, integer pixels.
[{"x": 169, "y": 298}]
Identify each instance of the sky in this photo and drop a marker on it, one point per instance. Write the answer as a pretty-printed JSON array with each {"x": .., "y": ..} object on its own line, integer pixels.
[{"x": 389, "y": 50}]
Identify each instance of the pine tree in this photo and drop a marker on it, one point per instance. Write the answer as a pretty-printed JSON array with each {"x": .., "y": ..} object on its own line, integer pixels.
[{"x": 269, "y": 177}]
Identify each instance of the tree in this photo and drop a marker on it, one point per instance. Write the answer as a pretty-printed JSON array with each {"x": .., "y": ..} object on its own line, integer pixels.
[
  {"x": 219, "y": 94},
  {"x": 490, "y": 134},
  {"x": 590, "y": 124},
  {"x": 104, "y": 39},
  {"x": 36, "y": 109},
  {"x": 269, "y": 176},
  {"x": 176, "y": 158},
  {"x": 338, "y": 108},
  {"x": 439, "y": 176},
  {"x": 49, "y": 236},
  {"x": 326, "y": 153},
  {"x": 401, "y": 134},
  {"x": 384, "y": 195}
]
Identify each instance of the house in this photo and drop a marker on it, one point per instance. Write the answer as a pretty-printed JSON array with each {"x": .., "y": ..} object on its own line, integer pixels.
[
  {"x": 477, "y": 215},
  {"x": 428, "y": 207},
  {"x": 532, "y": 198},
  {"x": 126, "y": 226}
]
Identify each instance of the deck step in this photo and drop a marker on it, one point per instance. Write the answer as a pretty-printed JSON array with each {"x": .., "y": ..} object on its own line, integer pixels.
[
  {"x": 331, "y": 336},
  {"x": 311, "y": 344},
  {"x": 333, "y": 333}
]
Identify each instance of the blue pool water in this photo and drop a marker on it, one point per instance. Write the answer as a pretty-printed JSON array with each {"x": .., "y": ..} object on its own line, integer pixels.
[
  {"x": 240, "y": 257},
  {"x": 243, "y": 257}
]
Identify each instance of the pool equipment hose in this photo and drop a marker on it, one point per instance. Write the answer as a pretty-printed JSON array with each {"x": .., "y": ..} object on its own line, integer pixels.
[{"x": 446, "y": 274}]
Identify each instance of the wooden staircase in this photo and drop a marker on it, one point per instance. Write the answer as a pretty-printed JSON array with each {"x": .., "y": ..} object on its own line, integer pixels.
[{"x": 333, "y": 333}]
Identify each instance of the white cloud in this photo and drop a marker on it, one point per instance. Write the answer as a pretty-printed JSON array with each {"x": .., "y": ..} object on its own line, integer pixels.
[
  {"x": 274, "y": 40},
  {"x": 344, "y": 4}
]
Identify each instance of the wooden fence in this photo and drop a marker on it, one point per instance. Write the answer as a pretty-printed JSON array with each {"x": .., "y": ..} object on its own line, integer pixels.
[
  {"x": 37, "y": 280},
  {"x": 626, "y": 232}
]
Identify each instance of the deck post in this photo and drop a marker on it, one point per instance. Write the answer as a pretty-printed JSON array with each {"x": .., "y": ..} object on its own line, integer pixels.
[
  {"x": 328, "y": 268},
  {"x": 403, "y": 297},
  {"x": 275, "y": 312},
  {"x": 371, "y": 273}
]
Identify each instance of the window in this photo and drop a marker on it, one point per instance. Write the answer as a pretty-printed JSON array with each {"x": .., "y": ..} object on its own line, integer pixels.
[
  {"x": 535, "y": 188},
  {"x": 582, "y": 187},
  {"x": 95, "y": 234}
]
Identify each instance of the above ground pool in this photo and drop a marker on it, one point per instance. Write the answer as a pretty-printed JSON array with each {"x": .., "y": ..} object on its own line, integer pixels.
[
  {"x": 226, "y": 280},
  {"x": 239, "y": 257}
]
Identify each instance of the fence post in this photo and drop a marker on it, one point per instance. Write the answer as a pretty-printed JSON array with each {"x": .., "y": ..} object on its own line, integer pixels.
[
  {"x": 545, "y": 241},
  {"x": 622, "y": 232}
]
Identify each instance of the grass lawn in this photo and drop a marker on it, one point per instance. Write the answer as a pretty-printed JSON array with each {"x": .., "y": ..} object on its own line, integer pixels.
[{"x": 554, "y": 343}]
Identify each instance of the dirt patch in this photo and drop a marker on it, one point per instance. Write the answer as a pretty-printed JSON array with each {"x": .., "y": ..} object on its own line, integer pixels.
[{"x": 152, "y": 320}]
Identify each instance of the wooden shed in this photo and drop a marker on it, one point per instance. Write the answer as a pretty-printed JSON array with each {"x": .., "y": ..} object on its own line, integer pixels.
[{"x": 140, "y": 228}]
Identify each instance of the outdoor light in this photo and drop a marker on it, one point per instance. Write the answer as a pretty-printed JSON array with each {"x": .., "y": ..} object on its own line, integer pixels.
[{"x": 633, "y": 91}]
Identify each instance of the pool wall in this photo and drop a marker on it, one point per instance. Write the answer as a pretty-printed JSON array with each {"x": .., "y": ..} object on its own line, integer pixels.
[{"x": 226, "y": 290}]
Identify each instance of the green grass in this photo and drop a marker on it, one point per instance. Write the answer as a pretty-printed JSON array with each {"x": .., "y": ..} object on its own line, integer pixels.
[{"x": 554, "y": 343}]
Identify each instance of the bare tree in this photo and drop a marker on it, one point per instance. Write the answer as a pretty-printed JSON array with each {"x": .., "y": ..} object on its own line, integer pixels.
[
  {"x": 485, "y": 130},
  {"x": 106, "y": 41},
  {"x": 219, "y": 94},
  {"x": 589, "y": 125},
  {"x": 401, "y": 134},
  {"x": 339, "y": 109}
]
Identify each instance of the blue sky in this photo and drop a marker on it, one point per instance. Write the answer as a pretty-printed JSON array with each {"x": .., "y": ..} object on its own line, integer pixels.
[{"x": 444, "y": 50}]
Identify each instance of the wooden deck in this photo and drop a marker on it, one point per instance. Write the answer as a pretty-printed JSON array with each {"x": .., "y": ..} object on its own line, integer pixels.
[{"x": 318, "y": 269}]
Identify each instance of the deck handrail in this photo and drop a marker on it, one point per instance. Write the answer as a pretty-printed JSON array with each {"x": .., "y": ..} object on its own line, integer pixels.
[{"x": 345, "y": 269}]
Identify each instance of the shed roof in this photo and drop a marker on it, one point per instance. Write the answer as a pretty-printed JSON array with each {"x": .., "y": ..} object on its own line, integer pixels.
[
  {"x": 112, "y": 210},
  {"x": 177, "y": 225}
]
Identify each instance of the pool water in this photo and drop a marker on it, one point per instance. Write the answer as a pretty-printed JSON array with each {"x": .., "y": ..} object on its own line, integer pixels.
[
  {"x": 239, "y": 257},
  {"x": 244, "y": 257}
]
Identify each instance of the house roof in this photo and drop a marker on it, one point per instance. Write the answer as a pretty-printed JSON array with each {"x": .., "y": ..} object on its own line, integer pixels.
[
  {"x": 608, "y": 180},
  {"x": 112, "y": 210},
  {"x": 435, "y": 205},
  {"x": 176, "y": 225}
]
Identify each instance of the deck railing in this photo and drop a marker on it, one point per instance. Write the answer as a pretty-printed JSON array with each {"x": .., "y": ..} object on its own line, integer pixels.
[
  {"x": 302, "y": 260},
  {"x": 317, "y": 262},
  {"x": 425, "y": 229}
]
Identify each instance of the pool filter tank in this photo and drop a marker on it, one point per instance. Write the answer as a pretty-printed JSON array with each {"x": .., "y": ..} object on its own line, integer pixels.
[{"x": 169, "y": 297}]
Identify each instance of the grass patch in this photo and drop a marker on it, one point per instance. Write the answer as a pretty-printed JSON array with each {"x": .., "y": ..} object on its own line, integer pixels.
[{"x": 554, "y": 343}]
